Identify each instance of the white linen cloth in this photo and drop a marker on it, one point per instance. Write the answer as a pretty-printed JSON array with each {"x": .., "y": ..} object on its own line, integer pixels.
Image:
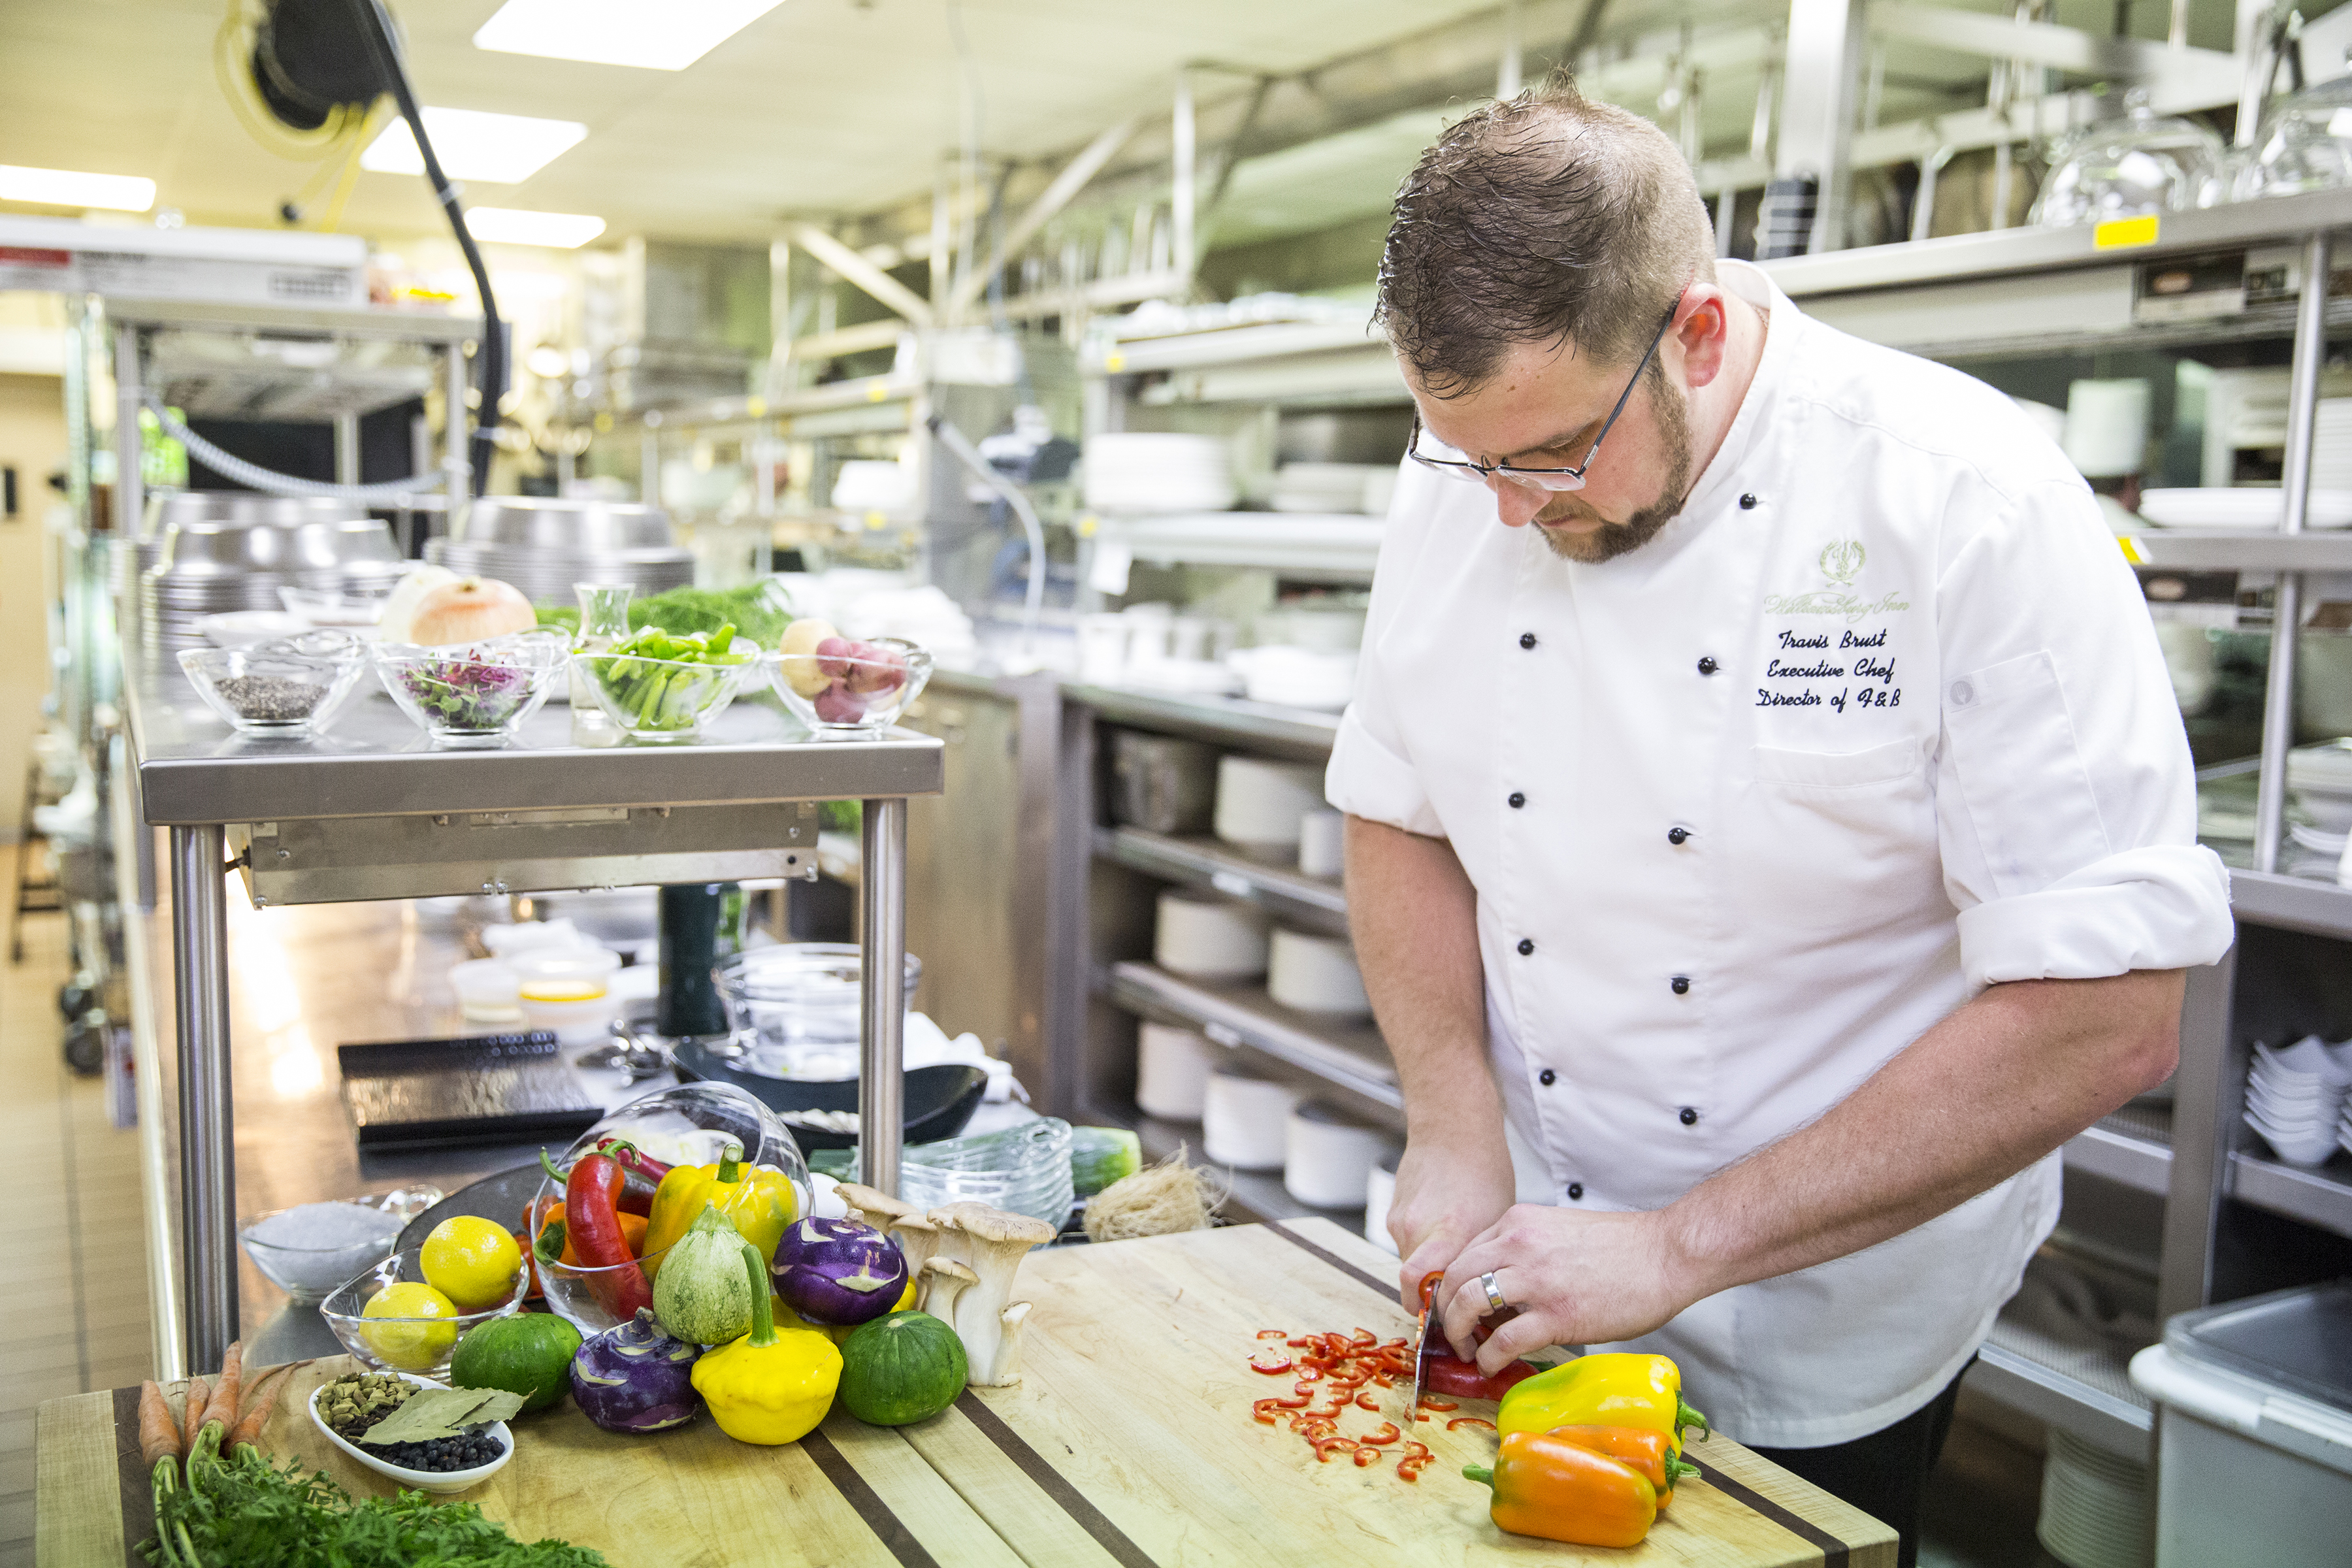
[{"x": 1891, "y": 677}]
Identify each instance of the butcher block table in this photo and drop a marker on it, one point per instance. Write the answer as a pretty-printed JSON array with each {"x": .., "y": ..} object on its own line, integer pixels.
[{"x": 1129, "y": 1441}]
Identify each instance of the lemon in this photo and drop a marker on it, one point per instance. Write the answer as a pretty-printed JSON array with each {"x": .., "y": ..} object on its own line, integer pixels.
[
  {"x": 472, "y": 1261},
  {"x": 411, "y": 1346}
]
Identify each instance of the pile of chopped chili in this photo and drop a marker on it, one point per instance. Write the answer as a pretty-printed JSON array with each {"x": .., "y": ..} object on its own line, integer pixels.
[{"x": 1335, "y": 1375}]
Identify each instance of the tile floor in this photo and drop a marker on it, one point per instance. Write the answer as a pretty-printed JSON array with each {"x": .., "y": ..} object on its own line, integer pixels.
[{"x": 75, "y": 1292}]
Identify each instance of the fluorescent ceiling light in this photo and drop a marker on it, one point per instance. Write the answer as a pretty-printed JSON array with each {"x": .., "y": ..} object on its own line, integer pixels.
[
  {"x": 658, "y": 35},
  {"x": 513, "y": 225},
  {"x": 502, "y": 149},
  {"x": 67, "y": 188}
]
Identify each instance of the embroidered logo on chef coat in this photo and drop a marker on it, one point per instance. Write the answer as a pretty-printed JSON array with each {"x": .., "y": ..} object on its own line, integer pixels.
[
  {"x": 1857, "y": 658},
  {"x": 1840, "y": 561}
]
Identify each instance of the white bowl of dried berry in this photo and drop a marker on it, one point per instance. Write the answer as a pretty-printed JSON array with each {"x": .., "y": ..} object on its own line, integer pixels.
[{"x": 465, "y": 1456}]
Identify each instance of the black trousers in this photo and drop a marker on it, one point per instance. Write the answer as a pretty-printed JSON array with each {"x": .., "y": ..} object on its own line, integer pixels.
[{"x": 1885, "y": 1474}]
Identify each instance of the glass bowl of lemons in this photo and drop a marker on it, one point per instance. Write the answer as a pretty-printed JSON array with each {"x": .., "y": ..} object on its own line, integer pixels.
[{"x": 407, "y": 1312}]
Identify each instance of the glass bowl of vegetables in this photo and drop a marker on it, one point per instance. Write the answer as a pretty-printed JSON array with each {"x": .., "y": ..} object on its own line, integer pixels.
[
  {"x": 849, "y": 688},
  {"x": 474, "y": 694},
  {"x": 662, "y": 688},
  {"x": 594, "y": 1298},
  {"x": 288, "y": 686},
  {"x": 411, "y": 1327}
]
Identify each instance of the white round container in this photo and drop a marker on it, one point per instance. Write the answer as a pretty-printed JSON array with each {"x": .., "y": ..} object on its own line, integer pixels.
[
  {"x": 1260, "y": 805},
  {"x": 1322, "y": 843},
  {"x": 1245, "y": 1122},
  {"x": 569, "y": 991},
  {"x": 1316, "y": 975},
  {"x": 1102, "y": 648},
  {"x": 2106, "y": 426},
  {"x": 1328, "y": 1156},
  {"x": 489, "y": 991},
  {"x": 1380, "y": 1192},
  {"x": 1209, "y": 938},
  {"x": 1171, "y": 1072}
]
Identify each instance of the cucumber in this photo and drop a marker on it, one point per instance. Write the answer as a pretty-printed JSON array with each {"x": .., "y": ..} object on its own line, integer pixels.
[{"x": 1101, "y": 1155}]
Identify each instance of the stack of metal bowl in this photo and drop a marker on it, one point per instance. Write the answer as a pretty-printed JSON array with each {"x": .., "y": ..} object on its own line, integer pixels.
[
  {"x": 544, "y": 546},
  {"x": 217, "y": 551}
]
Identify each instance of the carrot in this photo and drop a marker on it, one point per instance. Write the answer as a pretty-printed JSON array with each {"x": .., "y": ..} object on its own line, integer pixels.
[
  {"x": 192, "y": 1414},
  {"x": 223, "y": 1406},
  {"x": 264, "y": 1387},
  {"x": 158, "y": 1435},
  {"x": 256, "y": 1412}
]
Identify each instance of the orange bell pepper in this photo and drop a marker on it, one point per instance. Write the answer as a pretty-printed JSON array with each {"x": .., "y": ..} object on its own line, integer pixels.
[
  {"x": 1548, "y": 1486},
  {"x": 1651, "y": 1453}
]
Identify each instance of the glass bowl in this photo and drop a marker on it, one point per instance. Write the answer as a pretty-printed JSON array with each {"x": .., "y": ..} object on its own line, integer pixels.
[
  {"x": 422, "y": 1345},
  {"x": 582, "y": 1297},
  {"x": 309, "y": 1274},
  {"x": 287, "y": 687},
  {"x": 478, "y": 694},
  {"x": 663, "y": 699},
  {"x": 688, "y": 1125},
  {"x": 348, "y": 608},
  {"x": 1024, "y": 1169},
  {"x": 792, "y": 1009},
  {"x": 2303, "y": 143},
  {"x": 2144, "y": 163},
  {"x": 858, "y": 688}
]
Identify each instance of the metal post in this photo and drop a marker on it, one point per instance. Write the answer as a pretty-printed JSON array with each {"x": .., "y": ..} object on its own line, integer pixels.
[
  {"x": 2286, "y": 613},
  {"x": 207, "y": 1144},
  {"x": 456, "y": 465},
  {"x": 2209, "y": 1095},
  {"x": 1181, "y": 196},
  {"x": 347, "y": 449},
  {"x": 130, "y": 469},
  {"x": 882, "y": 993},
  {"x": 1817, "y": 104},
  {"x": 1514, "y": 61}
]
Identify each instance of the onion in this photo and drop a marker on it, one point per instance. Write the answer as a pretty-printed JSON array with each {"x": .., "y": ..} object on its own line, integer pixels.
[
  {"x": 421, "y": 578},
  {"x": 839, "y": 1271},
  {"x": 468, "y": 610},
  {"x": 636, "y": 1378}
]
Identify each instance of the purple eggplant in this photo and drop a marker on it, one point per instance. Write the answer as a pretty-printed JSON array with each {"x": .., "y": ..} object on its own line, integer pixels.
[
  {"x": 636, "y": 1378},
  {"x": 838, "y": 1271}
]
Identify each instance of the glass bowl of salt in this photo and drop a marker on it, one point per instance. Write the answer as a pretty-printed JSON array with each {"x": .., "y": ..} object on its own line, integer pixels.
[{"x": 310, "y": 1249}]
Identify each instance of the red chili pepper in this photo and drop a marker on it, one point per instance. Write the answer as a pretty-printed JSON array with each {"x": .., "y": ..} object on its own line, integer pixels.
[
  {"x": 1409, "y": 1468},
  {"x": 1462, "y": 1379},
  {"x": 1279, "y": 1368},
  {"x": 1363, "y": 1337},
  {"x": 641, "y": 1174},
  {"x": 1309, "y": 1369},
  {"x": 1267, "y": 1410},
  {"x": 1429, "y": 1288},
  {"x": 1430, "y": 1402},
  {"x": 1366, "y": 1457},
  {"x": 1324, "y": 1446},
  {"x": 1297, "y": 1401},
  {"x": 594, "y": 1227},
  {"x": 1414, "y": 1450},
  {"x": 1274, "y": 1333},
  {"x": 1365, "y": 1402},
  {"x": 1469, "y": 1421},
  {"x": 1388, "y": 1426}
]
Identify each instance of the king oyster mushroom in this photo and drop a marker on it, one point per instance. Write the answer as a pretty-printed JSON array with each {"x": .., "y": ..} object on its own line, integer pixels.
[
  {"x": 990, "y": 1242},
  {"x": 943, "y": 1279},
  {"x": 870, "y": 1207},
  {"x": 918, "y": 1238}
]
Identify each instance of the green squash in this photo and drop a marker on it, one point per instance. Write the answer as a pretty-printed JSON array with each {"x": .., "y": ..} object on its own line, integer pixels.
[
  {"x": 900, "y": 1369},
  {"x": 702, "y": 1295}
]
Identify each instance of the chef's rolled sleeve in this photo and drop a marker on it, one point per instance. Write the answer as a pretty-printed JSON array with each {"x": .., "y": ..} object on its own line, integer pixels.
[
  {"x": 1371, "y": 773},
  {"x": 2066, "y": 798}
]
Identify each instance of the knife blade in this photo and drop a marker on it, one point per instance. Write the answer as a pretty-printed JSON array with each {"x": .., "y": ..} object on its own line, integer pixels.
[{"x": 1421, "y": 1355}]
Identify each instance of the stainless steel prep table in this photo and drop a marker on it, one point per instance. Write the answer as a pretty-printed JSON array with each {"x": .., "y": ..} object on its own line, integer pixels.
[{"x": 369, "y": 809}]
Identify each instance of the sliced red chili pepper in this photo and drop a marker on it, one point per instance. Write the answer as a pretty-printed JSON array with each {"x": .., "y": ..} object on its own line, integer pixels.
[
  {"x": 1388, "y": 1426},
  {"x": 1469, "y": 1421},
  {"x": 1283, "y": 1334},
  {"x": 1279, "y": 1368},
  {"x": 1409, "y": 1468},
  {"x": 1308, "y": 1371},
  {"x": 1429, "y": 1288},
  {"x": 1366, "y": 1457},
  {"x": 1363, "y": 1337},
  {"x": 1414, "y": 1450},
  {"x": 1421, "y": 1415},
  {"x": 1430, "y": 1402},
  {"x": 1324, "y": 1446},
  {"x": 1365, "y": 1402},
  {"x": 1267, "y": 1410},
  {"x": 1295, "y": 1401}
]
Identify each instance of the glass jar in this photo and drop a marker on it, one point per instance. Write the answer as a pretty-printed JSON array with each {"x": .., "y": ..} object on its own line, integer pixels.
[
  {"x": 2143, "y": 162},
  {"x": 2303, "y": 143},
  {"x": 604, "y": 622}
]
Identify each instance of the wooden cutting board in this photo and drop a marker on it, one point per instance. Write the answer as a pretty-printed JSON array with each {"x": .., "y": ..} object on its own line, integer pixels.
[
  {"x": 1130, "y": 1441},
  {"x": 1129, "y": 1438}
]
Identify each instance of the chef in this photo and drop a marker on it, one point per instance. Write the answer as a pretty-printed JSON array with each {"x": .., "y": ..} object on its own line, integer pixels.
[{"x": 1771, "y": 830}]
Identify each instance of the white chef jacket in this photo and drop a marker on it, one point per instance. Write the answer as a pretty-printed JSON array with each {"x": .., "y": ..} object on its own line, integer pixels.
[{"x": 1893, "y": 681}]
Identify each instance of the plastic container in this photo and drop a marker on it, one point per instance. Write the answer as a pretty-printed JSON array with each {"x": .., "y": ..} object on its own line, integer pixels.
[
  {"x": 2253, "y": 1404},
  {"x": 1171, "y": 1073},
  {"x": 1209, "y": 938},
  {"x": 489, "y": 991},
  {"x": 1162, "y": 783},
  {"x": 1328, "y": 1157},
  {"x": 1246, "y": 1122},
  {"x": 569, "y": 991},
  {"x": 1317, "y": 973},
  {"x": 793, "y": 1008}
]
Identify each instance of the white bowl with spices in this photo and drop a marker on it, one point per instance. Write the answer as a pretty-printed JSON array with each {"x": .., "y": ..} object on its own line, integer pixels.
[{"x": 439, "y": 1481}]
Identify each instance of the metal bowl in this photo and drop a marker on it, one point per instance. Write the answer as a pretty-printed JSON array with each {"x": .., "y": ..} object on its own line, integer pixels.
[
  {"x": 166, "y": 507},
  {"x": 323, "y": 546},
  {"x": 538, "y": 522},
  {"x": 204, "y": 548}
]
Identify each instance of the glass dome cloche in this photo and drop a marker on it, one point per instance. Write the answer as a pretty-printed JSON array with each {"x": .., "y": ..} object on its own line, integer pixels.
[
  {"x": 2143, "y": 162},
  {"x": 2303, "y": 143}
]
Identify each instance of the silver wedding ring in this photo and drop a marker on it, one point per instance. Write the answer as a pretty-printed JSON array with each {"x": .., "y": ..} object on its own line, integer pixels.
[{"x": 1494, "y": 1292}]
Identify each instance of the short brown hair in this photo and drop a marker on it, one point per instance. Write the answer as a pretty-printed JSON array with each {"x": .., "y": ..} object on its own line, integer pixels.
[{"x": 1548, "y": 218}]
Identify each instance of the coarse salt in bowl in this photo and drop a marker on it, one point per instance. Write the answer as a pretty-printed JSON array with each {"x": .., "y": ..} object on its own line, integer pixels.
[{"x": 310, "y": 1249}]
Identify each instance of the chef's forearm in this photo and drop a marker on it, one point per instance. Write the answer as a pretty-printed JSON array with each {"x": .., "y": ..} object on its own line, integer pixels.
[
  {"x": 1994, "y": 1087},
  {"x": 1413, "y": 916}
]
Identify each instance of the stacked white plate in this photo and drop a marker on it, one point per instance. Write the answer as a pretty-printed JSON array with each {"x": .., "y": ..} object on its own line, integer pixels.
[
  {"x": 1327, "y": 486},
  {"x": 2295, "y": 1098},
  {"x": 2248, "y": 507},
  {"x": 1157, "y": 471},
  {"x": 2331, "y": 446},
  {"x": 2320, "y": 780}
]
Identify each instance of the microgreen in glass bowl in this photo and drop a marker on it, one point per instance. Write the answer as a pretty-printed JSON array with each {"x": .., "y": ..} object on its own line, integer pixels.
[{"x": 476, "y": 694}]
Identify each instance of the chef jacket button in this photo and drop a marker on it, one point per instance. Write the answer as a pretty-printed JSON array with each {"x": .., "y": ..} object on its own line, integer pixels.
[
  {"x": 1689, "y": 1116},
  {"x": 1748, "y": 502},
  {"x": 1681, "y": 984},
  {"x": 1518, "y": 800},
  {"x": 1527, "y": 946},
  {"x": 1708, "y": 666},
  {"x": 1962, "y": 694},
  {"x": 1526, "y": 639},
  {"x": 1676, "y": 835},
  {"x": 1575, "y": 1191},
  {"x": 1547, "y": 1078}
]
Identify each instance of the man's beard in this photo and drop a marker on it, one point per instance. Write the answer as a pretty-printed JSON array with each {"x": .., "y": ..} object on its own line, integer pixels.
[{"x": 1612, "y": 540}]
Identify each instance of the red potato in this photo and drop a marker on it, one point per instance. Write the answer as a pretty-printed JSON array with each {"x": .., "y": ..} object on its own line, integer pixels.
[
  {"x": 832, "y": 657},
  {"x": 878, "y": 670},
  {"x": 837, "y": 705}
]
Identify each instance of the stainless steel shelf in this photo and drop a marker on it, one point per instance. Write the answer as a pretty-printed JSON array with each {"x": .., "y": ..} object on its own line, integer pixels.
[
  {"x": 2321, "y": 1197},
  {"x": 2202, "y": 549},
  {"x": 1208, "y": 863},
  {"x": 2085, "y": 1392},
  {"x": 1335, "y": 547},
  {"x": 2133, "y": 1147},
  {"x": 2297, "y": 903},
  {"x": 1350, "y": 1056},
  {"x": 1252, "y": 1197},
  {"x": 1297, "y": 731},
  {"x": 1231, "y": 345}
]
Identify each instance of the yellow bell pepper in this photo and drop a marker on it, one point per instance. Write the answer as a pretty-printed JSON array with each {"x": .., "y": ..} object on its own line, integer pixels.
[
  {"x": 1613, "y": 1390},
  {"x": 759, "y": 1199},
  {"x": 774, "y": 1384}
]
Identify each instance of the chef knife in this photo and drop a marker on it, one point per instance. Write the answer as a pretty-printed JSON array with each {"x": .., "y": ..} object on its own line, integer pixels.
[{"x": 1423, "y": 1350}]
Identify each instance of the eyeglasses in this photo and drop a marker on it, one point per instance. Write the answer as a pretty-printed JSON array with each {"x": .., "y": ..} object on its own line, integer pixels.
[{"x": 1544, "y": 479}]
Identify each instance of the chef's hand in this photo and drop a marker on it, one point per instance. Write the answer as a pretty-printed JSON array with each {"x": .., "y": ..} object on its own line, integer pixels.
[
  {"x": 1445, "y": 1193},
  {"x": 1577, "y": 1278}
]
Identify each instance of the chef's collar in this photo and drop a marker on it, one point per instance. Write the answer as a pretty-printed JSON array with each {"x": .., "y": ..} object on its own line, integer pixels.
[{"x": 1754, "y": 285}]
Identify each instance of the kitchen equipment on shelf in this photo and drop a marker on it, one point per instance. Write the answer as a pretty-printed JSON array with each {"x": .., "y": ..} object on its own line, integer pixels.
[
  {"x": 702, "y": 926},
  {"x": 936, "y": 1102},
  {"x": 288, "y": 687},
  {"x": 1245, "y": 1119},
  {"x": 1208, "y": 938},
  {"x": 2322, "y": 702},
  {"x": 1102, "y": 648},
  {"x": 567, "y": 991},
  {"x": 1380, "y": 1192},
  {"x": 476, "y": 694},
  {"x": 1319, "y": 623},
  {"x": 1328, "y": 1156},
  {"x": 489, "y": 991},
  {"x": 243, "y": 628},
  {"x": 545, "y": 547},
  {"x": 2319, "y": 780},
  {"x": 1024, "y": 1168},
  {"x": 1296, "y": 677},
  {"x": 1260, "y": 805},
  {"x": 1158, "y": 472},
  {"x": 207, "y": 566},
  {"x": 1326, "y": 487},
  {"x": 2106, "y": 426},
  {"x": 2252, "y": 509},
  {"x": 2295, "y": 1098},
  {"x": 1163, "y": 782},
  {"x": 2096, "y": 1506},
  {"x": 1322, "y": 843},
  {"x": 792, "y": 1008},
  {"x": 1171, "y": 1071},
  {"x": 2142, "y": 162},
  {"x": 1316, "y": 973},
  {"x": 2304, "y": 143}
]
